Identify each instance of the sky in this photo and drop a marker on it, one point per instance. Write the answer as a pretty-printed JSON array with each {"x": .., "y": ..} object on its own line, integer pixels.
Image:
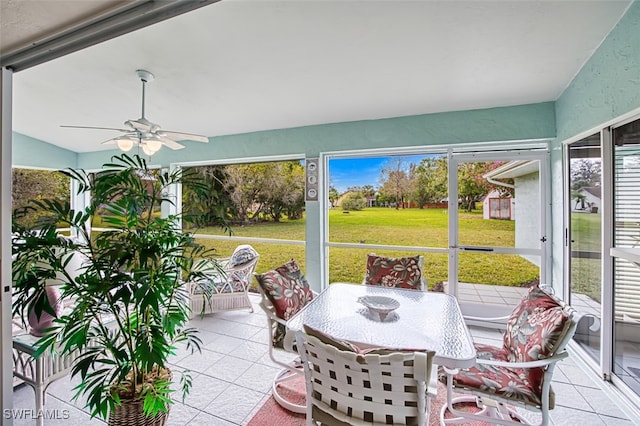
[{"x": 347, "y": 172}]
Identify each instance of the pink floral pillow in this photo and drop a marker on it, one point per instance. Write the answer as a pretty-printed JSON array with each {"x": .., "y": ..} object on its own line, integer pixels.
[
  {"x": 536, "y": 327},
  {"x": 404, "y": 272},
  {"x": 287, "y": 289}
]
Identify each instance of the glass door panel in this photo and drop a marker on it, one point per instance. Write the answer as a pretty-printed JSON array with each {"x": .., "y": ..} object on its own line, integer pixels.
[
  {"x": 626, "y": 279},
  {"x": 585, "y": 242},
  {"x": 499, "y": 230},
  {"x": 390, "y": 205}
]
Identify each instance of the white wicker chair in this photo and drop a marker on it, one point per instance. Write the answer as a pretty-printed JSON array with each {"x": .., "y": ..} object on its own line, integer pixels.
[
  {"x": 519, "y": 373},
  {"x": 348, "y": 388},
  {"x": 226, "y": 286}
]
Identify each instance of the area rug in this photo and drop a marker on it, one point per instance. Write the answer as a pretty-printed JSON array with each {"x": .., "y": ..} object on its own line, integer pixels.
[{"x": 271, "y": 413}]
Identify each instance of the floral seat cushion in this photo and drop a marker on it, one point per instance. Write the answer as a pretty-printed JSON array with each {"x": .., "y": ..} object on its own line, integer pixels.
[
  {"x": 404, "y": 272},
  {"x": 216, "y": 285},
  {"x": 513, "y": 384},
  {"x": 288, "y": 291},
  {"x": 535, "y": 330}
]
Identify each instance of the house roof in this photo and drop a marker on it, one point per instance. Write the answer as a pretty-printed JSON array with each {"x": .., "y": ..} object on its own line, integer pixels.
[
  {"x": 596, "y": 191},
  {"x": 513, "y": 169},
  {"x": 243, "y": 66}
]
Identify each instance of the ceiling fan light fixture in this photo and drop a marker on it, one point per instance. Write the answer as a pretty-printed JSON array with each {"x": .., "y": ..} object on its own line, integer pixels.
[
  {"x": 153, "y": 144},
  {"x": 148, "y": 149},
  {"x": 124, "y": 144}
]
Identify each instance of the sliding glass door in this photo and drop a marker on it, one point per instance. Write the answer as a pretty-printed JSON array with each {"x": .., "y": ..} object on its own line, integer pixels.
[
  {"x": 584, "y": 242},
  {"x": 602, "y": 188},
  {"x": 626, "y": 235}
]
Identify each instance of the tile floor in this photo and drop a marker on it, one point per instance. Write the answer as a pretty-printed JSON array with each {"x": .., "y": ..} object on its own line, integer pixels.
[{"x": 232, "y": 378}]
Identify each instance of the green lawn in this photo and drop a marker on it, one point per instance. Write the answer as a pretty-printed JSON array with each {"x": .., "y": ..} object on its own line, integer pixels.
[
  {"x": 409, "y": 227},
  {"x": 585, "y": 236},
  {"x": 585, "y": 231}
]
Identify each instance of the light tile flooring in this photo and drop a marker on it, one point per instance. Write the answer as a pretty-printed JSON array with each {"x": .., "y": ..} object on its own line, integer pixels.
[{"x": 232, "y": 378}]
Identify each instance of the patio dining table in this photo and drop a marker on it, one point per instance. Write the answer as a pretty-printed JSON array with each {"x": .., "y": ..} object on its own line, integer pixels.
[{"x": 423, "y": 321}]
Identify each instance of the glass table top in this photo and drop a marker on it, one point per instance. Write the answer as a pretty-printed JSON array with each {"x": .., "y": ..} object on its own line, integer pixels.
[{"x": 423, "y": 320}]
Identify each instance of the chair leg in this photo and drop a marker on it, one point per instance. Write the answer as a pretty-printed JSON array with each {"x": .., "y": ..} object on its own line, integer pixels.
[
  {"x": 491, "y": 411},
  {"x": 287, "y": 375}
]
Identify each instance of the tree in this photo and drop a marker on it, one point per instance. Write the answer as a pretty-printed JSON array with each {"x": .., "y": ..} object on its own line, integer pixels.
[
  {"x": 430, "y": 181},
  {"x": 368, "y": 191},
  {"x": 266, "y": 190},
  {"x": 286, "y": 195},
  {"x": 395, "y": 180},
  {"x": 244, "y": 182},
  {"x": 31, "y": 184},
  {"x": 218, "y": 203},
  {"x": 333, "y": 196},
  {"x": 585, "y": 172},
  {"x": 472, "y": 185}
]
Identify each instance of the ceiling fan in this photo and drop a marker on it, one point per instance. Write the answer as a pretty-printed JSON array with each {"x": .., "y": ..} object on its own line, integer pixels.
[{"x": 145, "y": 134}]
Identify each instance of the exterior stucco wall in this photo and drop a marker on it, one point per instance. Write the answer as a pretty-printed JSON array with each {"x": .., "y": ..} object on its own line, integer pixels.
[{"x": 527, "y": 190}]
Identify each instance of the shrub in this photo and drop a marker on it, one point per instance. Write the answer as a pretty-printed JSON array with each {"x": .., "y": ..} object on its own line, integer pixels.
[{"x": 354, "y": 201}]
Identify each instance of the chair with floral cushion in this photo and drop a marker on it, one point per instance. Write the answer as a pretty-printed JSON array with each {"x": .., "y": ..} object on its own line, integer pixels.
[
  {"x": 284, "y": 292},
  {"x": 518, "y": 374},
  {"x": 403, "y": 272},
  {"x": 224, "y": 285}
]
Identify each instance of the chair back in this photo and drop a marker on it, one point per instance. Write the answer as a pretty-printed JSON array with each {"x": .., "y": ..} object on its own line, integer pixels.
[
  {"x": 539, "y": 327},
  {"x": 403, "y": 272},
  {"x": 284, "y": 291},
  {"x": 242, "y": 255},
  {"x": 241, "y": 266},
  {"x": 372, "y": 388}
]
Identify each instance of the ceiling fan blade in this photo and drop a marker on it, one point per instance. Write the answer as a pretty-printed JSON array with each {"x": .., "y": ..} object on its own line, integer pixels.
[
  {"x": 179, "y": 136},
  {"x": 131, "y": 136},
  {"x": 96, "y": 128},
  {"x": 141, "y": 124},
  {"x": 169, "y": 143}
]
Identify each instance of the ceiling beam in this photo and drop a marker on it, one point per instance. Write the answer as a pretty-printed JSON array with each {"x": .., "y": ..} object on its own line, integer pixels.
[{"x": 137, "y": 15}]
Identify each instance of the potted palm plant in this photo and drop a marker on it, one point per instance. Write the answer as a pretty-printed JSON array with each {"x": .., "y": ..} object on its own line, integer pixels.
[{"x": 128, "y": 307}]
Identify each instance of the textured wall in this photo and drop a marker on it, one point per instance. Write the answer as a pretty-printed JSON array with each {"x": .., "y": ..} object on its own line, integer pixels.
[
  {"x": 607, "y": 87},
  {"x": 31, "y": 152},
  {"x": 496, "y": 124},
  {"x": 609, "y": 83}
]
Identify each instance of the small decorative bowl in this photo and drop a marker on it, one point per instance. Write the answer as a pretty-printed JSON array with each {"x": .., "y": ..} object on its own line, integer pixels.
[{"x": 381, "y": 305}]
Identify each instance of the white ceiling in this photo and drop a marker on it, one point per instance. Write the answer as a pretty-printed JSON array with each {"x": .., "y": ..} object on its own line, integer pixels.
[{"x": 241, "y": 66}]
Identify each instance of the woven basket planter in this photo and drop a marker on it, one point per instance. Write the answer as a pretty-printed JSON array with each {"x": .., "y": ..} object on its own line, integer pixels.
[{"x": 129, "y": 413}]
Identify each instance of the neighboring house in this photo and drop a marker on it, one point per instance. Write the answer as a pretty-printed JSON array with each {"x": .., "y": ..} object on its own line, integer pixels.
[
  {"x": 526, "y": 187},
  {"x": 589, "y": 201},
  {"x": 496, "y": 205}
]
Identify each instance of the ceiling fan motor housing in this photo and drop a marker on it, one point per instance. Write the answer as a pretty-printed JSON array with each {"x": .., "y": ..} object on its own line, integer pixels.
[{"x": 145, "y": 76}]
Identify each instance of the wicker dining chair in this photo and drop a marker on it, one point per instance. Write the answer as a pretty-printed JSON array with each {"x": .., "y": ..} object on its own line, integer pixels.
[
  {"x": 346, "y": 386},
  {"x": 519, "y": 373}
]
